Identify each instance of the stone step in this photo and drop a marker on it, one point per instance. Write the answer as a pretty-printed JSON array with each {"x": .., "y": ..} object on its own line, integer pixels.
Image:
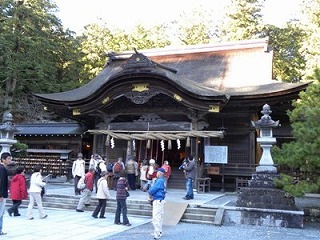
[{"x": 193, "y": 214}]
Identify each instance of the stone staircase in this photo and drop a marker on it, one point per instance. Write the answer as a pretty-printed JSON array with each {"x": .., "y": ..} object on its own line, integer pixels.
[{"x": 193, "y": 214}]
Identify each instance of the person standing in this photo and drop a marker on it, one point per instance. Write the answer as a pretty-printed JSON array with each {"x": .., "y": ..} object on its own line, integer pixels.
[
  {"x": 143, "y": 175},
  {"x": 36, "y": 185},
  {"x": 167, "y": 174},
  {"x": 78, "y": 170},
  {"x": 151, "y": 173},
  {"x": 131, "y": 168},
  {"x": 109, "y": 165},
  {"x": 122, "y": 188},
  {"x": 117, "y": 168},
  {"x": 190, "y": 173},
  {"x": 96, "y": 162},
  {"x": 87, "y": 191},
  {"x": 157, "y": 195},
  {"x": 5, "y": 161},
  {"x": 102, "y": 196},
  {"x": 18, "y": 191}
]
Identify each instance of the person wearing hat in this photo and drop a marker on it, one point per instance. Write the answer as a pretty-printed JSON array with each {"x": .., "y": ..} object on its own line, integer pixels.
[
  {"x": 78, "y": 170},
  {"x": 151, "y": 173},
  {"x": 102, "y": 195},
  {"x": 156, "y": 196}
]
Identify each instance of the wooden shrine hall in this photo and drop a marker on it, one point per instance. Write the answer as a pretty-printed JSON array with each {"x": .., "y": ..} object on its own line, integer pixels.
[{"x": 170, "y": 102}]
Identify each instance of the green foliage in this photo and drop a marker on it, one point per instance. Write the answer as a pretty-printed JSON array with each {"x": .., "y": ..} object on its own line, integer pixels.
[
  {"x": 243, "y": 20},
  {"x": 98, "y": 40},
  {"x": 303, "y": 154},
  {"x": 296, "y": 188},
  {"x": 36, "y": 54},
  {"x": 19, "y": 149},
  {"x": 311, "y": 24},
  {"x": 196, "y": 27},
  {"x": 288, "y": 62}
]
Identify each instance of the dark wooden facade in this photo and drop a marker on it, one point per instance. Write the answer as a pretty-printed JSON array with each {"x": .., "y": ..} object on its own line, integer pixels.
[{"x": 193, "y": 88}]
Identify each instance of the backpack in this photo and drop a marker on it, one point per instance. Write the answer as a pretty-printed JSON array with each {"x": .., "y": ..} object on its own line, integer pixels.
[
  {"x": 117, "y": 167},
  {"x": 109, "y": 167}
]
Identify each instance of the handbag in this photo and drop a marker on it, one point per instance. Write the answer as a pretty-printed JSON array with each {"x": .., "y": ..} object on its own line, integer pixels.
[
  {"x": 43, "y": 191},
  {"x": 127, "y": 194}
]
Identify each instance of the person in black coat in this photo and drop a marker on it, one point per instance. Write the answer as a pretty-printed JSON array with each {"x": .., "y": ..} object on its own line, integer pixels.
[{"x": 4, "y": 183}]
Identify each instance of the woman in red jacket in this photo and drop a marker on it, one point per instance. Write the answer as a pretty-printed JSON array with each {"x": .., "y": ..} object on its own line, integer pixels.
[{"x": 18, "y": 191}]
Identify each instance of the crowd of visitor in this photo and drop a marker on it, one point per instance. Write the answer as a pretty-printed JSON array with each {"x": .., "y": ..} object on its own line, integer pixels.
[{"x": 102, "y": 175}]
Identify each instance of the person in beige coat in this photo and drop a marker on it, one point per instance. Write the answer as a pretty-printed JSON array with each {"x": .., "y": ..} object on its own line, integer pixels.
[{"x": 102, "y": 195}]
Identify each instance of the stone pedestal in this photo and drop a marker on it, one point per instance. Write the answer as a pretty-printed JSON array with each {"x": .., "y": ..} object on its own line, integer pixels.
[
  {"x": 273, "y": 204},
  {"x": 267, "y": 198},
  {"x": 263, "y": 180}
]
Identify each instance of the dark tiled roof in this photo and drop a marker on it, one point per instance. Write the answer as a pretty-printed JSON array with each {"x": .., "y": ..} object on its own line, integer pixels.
[{"x": 50, "y": 129}]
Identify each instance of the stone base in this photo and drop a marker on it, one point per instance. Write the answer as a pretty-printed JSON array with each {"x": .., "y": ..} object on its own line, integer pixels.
[
  {"x": 268, "y": 206},
  {"x": 263, "y": 217},
  {"x": 267, "y": 198},
  {"x": 263, "y": 180}
]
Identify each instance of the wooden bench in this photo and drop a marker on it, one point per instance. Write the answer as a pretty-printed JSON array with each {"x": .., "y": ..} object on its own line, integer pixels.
[
  {"x": 242, "y": 182},
  {"x": 202, "y": 184}
]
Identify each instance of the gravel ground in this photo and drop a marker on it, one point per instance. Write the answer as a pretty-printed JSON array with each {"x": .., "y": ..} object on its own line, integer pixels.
[{"x": 186, "y": 231}]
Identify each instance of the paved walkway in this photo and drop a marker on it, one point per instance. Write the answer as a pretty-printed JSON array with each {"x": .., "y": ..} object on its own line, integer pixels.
[{"x": 69, "y": 224}]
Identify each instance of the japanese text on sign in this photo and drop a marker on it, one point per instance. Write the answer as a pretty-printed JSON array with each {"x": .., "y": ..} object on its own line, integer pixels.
[{"x": 216, "y": 154}]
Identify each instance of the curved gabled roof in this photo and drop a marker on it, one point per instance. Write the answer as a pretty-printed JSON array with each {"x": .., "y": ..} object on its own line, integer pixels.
[{"x": 203, "y": 74}]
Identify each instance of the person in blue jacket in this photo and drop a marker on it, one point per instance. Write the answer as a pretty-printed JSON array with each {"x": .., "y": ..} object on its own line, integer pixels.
[{"x": 157, "y": 196}]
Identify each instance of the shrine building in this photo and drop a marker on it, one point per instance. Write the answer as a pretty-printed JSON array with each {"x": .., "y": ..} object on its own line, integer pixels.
[{"x": 171, "y": 102}]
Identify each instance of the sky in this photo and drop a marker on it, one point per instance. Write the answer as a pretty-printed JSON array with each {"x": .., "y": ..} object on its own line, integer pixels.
[{"x": 75, "y": 14}]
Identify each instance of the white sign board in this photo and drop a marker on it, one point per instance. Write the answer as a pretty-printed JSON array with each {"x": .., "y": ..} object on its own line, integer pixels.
[{"x": 216, "y": 154}]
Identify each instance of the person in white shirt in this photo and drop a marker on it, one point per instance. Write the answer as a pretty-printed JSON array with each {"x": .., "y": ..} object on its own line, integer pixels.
[
  {"x": 96, "y": 163},
  {"x": 78, "y": 170},
  {"x": 36, "y": 185}
]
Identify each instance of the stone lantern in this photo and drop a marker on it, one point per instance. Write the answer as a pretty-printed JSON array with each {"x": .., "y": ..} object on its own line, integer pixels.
[
  {"x": 262, "y": 201},
  {"x": 266, "y": 140},
  {"x": 7, "y": 131}
]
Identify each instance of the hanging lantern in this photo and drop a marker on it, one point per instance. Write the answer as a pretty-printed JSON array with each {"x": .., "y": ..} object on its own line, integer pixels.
[
  {"x": 178, "y": 144},
  {"x": 107, "y": 140},
  {"x": 169, "y": 145},
  {"x": 148, "y": 144},
  {"x": 112, "y": 143},
  {"x": 188, "y": 142}
]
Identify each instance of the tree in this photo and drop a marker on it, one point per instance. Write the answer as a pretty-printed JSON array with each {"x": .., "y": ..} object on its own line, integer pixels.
[
  {"x": 311, "y": 45},
  {"x": 36, "y": 54},
  {"x": 288, "y": 61},
  {"x": 98, "y": 40},
  {"x": 303, "y": 154},
  {"x": 197, "y": 27},
  {"x": 243, "y": 20}
]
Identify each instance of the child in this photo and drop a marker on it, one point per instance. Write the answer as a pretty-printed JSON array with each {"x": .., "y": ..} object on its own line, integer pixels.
[
  {"x": 18, "y": 191},
  {"x": 122, "y": 188}
]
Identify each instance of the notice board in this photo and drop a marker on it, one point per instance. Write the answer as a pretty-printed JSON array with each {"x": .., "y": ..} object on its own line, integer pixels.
[{"x": 216, "y": 154}]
